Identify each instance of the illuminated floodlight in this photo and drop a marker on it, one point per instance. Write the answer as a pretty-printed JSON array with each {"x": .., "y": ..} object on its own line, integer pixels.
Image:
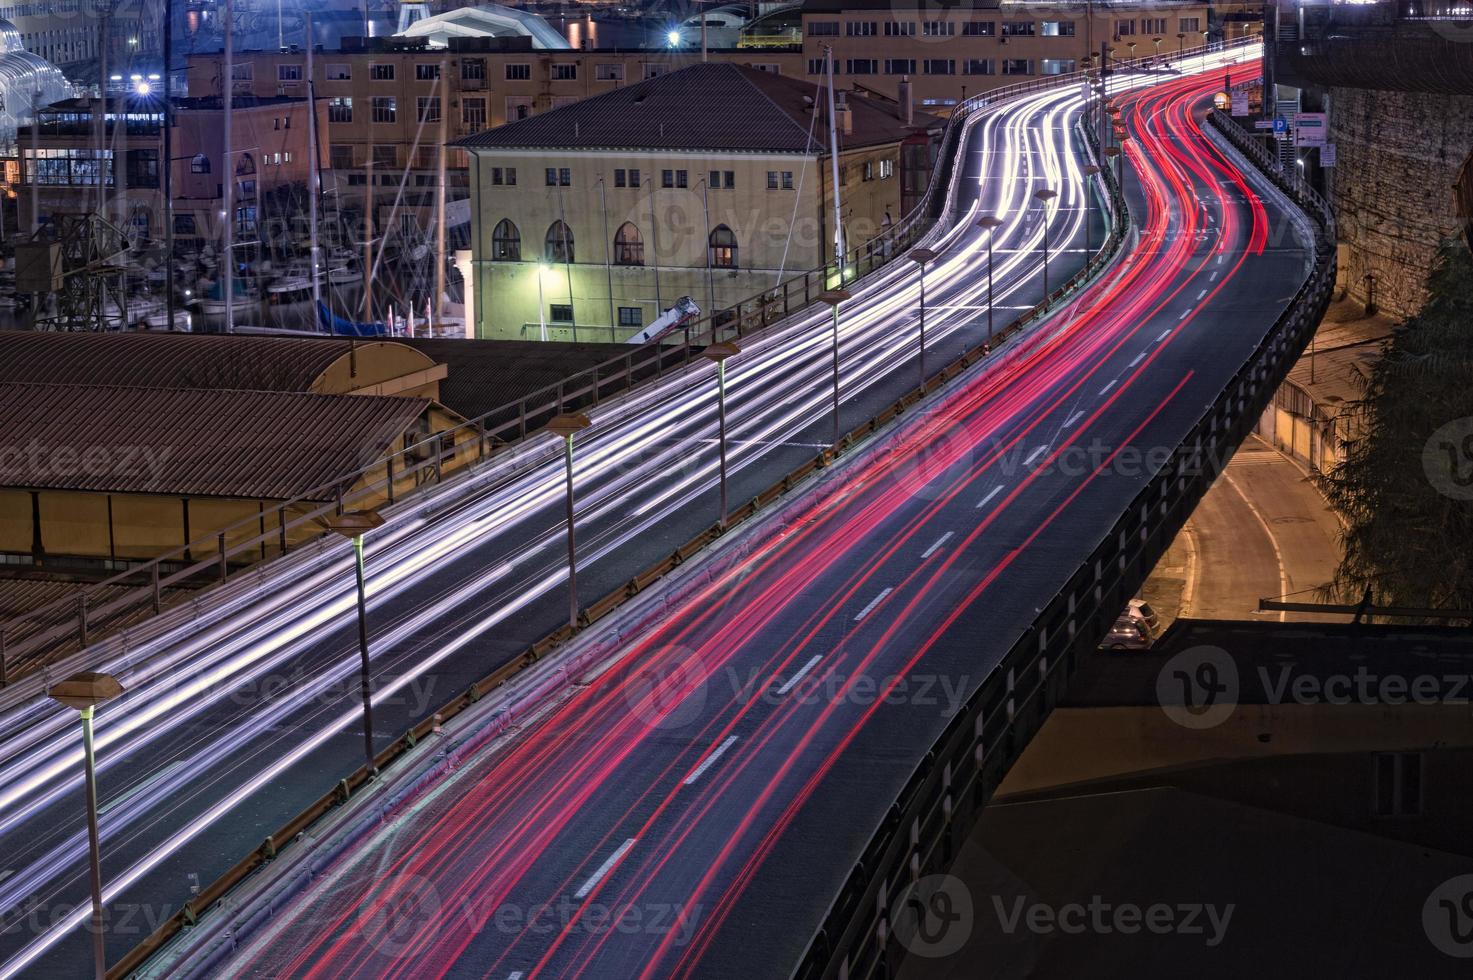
[{"x": 672, "y": 38}]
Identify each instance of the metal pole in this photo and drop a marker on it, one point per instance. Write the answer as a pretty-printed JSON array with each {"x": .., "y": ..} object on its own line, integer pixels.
[
  {"x": 721, "y": 431},
  {"x": 989, "y": 284},
  {"x": 168, "y": 154},
  {"x": 572, "y": 544},
  {"x": 314, "y": 166},
  {"x": 365, "y": 683},
  {"x": 923, "y": 324},
  {"x": 94, "y": 848},
  {"x": 710, "y": 275},
  {"x": 368, "y": 235},
  {"x": 441, "y": 177},
  {"x": 603, "y": 203},
  {"x": 1045, "y": 251},
  {"x": 541, "y": 305},
  {"x": 834, "y": 164},
  {"x": 655, "y": 247},
  {"x": 836, "y": 376},
  {"x": 227, "y": 261}
]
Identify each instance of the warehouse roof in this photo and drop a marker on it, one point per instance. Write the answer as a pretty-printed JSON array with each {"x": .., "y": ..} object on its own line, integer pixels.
[
  {"x": 711, "y": 106},
  {"x": 172, "y": 360},
  {"x": 253, "y": 444},
  {"x": 487, "y": 374}
]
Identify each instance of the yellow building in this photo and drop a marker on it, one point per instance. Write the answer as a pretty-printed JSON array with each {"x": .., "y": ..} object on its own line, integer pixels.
[{"x": 709, "y": 182}]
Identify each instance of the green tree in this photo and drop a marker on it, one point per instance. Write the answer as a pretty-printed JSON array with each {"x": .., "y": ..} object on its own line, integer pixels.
[{"x": 1405, "y": 487}]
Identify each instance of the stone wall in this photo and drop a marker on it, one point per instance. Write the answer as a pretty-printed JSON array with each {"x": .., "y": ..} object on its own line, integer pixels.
[{"x": 1399, "y": 157}]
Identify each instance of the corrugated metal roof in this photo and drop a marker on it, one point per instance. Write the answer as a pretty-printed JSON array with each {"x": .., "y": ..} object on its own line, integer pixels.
[
  {"x": 167, "y": 360},
  {"x": 712, "y": 106},
  {"x": 255, "y": 444}
]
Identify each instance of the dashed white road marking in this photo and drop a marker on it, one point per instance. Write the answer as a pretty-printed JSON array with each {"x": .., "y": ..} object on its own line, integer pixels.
[
  {"x": 1137, "y": 360},
  {"x": 1200, "y": 295},
  {"x": 1109, "y": 386},
  {"x": 992, "y": 493},
  {"x": 604, "y": 869},
  {"x": 710, "y": 760},
  {"x": 1164, "y": 335},
  {"x": 1185, "y": 313},
  {"x": 1074, "y": 418},
  {"x": 793, "y": 681},
  {"x": 1213, "y": 277},
  {"x": 1035, "y": 454},
  {"x": 873, "y": 603},
  {"x": 937, "y": 546}
]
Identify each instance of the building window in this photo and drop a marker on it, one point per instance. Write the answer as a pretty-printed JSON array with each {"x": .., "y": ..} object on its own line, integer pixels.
[
  {"x": 199, "y": 164},
  {"x": 887, "y": 169},
  {"x": 940, "y": 66},
  {"x": 565, "y": 73},
  {"x": 386, "y": 156},
  {"x": 1153, "y": 25},
  {"x": 385, "y": 109},
  {"x": 674, "y": 178},
  {"x": 288, "y": 73},
  {"x": 864, "y": 66},
  {"x": 558, "y": 246},
  {"x": 1398, "y": 784},
  {"x": 631, "y": 316},
  {"x": 653, "y": 71},
  {"x": 518, "y": 72},
  {"x": 560, "y": 313},
  {"x": 787, "y": 180},
  {"x": 938, "y": 28},
  {"x": 723, "y": 248},
  {"x": 900, "y": 66},
  {"x": 1056, "y": 66},
  {"x": 979, "y": 28},
  {"x": 340, "y": 110},
  {"x": 868, "y": 170},
  {"x": 861, "y": 28},
  {"x": 473, "y": 69},
  {"x": 816, "y": 66},
  {"x": 628, "y": 245},
  {"x": 1189, "y": 25},
  {"x": 427, "y": 73},
  {"x": 381, "y": 73},
  {"x": 900, "y": 28},
  {"x": 1058, "y": 28},
  {"x": 722, "y": 179},
  {"x": 558, "y": 177},
  {"x": 473, "y": 113},
  {"x": 506, "y": 242},
  {"x": 340, "y": 157},
  {"x": 823, "y": 28},
  {"x": 1017, "y": 66},
  {"x": 1124, "y": 28},
  {"x": 429, "y": 109},
  {"x": 339, "y": 73},
  {"x": 1017, "y": 28},
  {"x": 609, "y": 73},
  {"x": 978, "y": 66},
  {"x": 504, "y": 176}
]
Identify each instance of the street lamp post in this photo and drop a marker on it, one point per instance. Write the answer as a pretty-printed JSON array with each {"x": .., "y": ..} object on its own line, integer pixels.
[
  {"x": 1114, "y": 153},
  {"x": 989, "y": 223},
  {"x": 353, "y": 525},
  {"x": 834, "y": 297},
  {"x": 85, "y": 692},
  {"x": 1090, "y": 172},
  {"x": 566, "y": 425},
  {"x": 719, "y": 353},
  {"x": 920, "y": 256},
  {"x": 1157, "y": 41},
  {"x": 1181, "y": 43},
  {"x": 1044, "y": 195}
]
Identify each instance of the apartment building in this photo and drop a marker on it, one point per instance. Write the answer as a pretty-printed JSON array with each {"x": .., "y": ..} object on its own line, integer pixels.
[
  {"x": 72, "y": 173},
  {"x": 954, "y": 48},
  {"x": 710, "y": 182}
]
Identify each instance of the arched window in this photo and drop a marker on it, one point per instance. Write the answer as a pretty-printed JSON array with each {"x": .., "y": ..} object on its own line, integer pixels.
[
  {"x": 200, "y": 164},
  {"x": 628, "y": 246},
  {"x": 723, "y": 248},
  {"x": 559, "y": 244},
  {"x": 506, "y": 242},
  {"x": 245, "y": 165}
]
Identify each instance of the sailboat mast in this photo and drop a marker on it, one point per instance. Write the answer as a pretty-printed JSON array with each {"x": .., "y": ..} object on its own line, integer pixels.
[{"x": 314, "y": 179}]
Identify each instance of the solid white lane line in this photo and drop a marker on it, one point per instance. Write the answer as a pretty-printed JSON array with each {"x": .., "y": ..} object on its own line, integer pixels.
[
  {"x": 1201, "y": 294},
  {"x": 1137, "y": 360},
  {"x": 873, "y": 603},
  {"x": 707, "y": 762},
  {"x": 937, "y": 546},
  {"x": 1074, "y": 418},
  {"x": 1109, "y": 386},
  {"x": 1164, "y": 335},
  {"x": 993, "y": 493},
  {"x": 604, "y": 869},
  {"x": 793, "y": 681},
  {"x": 138, "y": 790},
  {"x": 1035, "y": 454}
]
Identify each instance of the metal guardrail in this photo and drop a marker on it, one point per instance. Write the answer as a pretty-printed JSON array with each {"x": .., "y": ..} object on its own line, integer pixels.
[
  {"x": 30, "y": 641},
  {"x": 200, "y": 903},
  {"x": 932, "y": 815}
]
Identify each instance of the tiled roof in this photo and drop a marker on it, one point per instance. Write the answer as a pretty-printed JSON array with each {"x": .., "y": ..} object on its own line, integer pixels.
[
  {"x": 711, "y": 106},
  {"x": 253, "y": 444},
  {"x": 167, "y": 360}
]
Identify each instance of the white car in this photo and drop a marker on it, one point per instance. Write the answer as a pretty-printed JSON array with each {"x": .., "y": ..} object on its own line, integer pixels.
[{"x": 1141, "y": 610}]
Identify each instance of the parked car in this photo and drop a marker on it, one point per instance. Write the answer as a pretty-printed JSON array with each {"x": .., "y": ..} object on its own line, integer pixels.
[
  {"x": 1140, "y": 609},
  {"x": 1128, "y": 633}
]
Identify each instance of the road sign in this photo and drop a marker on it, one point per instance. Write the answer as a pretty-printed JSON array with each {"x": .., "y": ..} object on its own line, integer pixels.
[
  {"x": 1327, "y": 155},
  {"x": 1240, "y": 103},
  {"x": 1263, "y": 124},
  {"x": 1281, "y": 125},
  {"x": 1311, "y": 129}
]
